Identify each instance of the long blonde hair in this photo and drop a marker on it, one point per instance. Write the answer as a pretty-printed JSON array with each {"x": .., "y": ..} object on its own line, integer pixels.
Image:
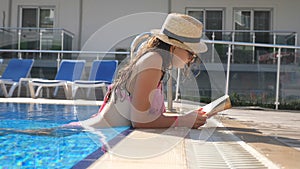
[{"x": 152, "y": 44}]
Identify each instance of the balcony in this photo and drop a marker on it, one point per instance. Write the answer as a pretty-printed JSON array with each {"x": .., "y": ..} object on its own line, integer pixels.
[
  {"x": 35, "y": 38},
  {"x": 252, "y": 77},
  {"x": 251, "y": 54},
  {"x": 39, "y": 39}
]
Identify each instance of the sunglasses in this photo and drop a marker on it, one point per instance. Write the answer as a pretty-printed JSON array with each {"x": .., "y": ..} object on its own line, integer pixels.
[{"x": 192, "y": 57}]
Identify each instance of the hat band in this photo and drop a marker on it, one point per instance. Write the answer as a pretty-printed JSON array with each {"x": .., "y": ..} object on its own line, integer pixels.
[{"x": 181, "y": 38}]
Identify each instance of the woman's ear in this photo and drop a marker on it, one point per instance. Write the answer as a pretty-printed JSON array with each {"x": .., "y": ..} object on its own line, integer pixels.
[{"x": 172, "y": 48}]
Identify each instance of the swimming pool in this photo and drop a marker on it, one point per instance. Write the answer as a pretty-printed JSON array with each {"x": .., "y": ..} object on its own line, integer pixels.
[{"x": 63, "y": 149}]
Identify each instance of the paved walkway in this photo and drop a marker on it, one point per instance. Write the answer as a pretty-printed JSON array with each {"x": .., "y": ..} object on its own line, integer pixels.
[
  {"x": 275, "y": 134},
  {"x": 241, "y": 139}
]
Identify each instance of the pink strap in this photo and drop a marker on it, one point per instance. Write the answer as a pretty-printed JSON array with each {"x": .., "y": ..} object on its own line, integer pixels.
[
  {"x": 106, "y": 98},
  {"x": 157, "y": 104},
  {"x": 155, "y": 109}
]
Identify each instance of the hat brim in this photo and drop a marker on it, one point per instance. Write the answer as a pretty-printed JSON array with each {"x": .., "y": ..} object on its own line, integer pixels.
[{"x": 199, "y": 47}]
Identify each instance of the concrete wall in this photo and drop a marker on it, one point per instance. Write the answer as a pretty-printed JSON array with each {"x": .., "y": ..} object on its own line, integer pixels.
[
  {"x": 228, "y": 5},
  {"x": 285, "y": 12},
  {"x": 69, "y": 18},
  {"x": 111, "y": 21},
  {"x": 87, "y": 18},
  {"x": 4, "y": 13}
]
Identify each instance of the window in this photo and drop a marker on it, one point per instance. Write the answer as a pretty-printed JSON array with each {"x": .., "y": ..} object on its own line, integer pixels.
[
  {"x": 32, "y": 17},
  {"x": 37, "y": 17},
  {"x": 253, "y": 20},
  {"x": 251, "y": 25},
  {"x": 212, "y": 19}
]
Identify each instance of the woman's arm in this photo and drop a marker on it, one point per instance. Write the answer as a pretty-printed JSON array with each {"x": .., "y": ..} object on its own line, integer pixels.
[
  {"x": 147, "y": 78},
  {"x": 145, "y": 84}
]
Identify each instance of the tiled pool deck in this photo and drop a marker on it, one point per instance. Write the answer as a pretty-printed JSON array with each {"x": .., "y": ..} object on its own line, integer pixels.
[{"x": 236, "y": 138}]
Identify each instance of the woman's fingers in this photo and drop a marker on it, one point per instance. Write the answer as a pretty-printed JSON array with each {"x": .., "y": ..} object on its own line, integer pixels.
[
  {"x": 201, "y": 119},
  {"x": 193, "y": 120}
]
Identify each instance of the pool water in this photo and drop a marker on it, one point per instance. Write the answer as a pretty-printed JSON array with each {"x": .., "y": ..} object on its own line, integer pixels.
[{"x": 63, "y": 149}]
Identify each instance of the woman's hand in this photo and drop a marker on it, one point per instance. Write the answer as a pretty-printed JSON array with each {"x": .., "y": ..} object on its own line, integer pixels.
[
  {"x": 193, "y": 120},
  {"x": 201, "y": 118},
  {"x": 75, "y": 124}
]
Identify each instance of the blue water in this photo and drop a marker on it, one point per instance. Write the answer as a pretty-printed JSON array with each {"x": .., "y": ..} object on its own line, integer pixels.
[{"x": 63, "y": 149}]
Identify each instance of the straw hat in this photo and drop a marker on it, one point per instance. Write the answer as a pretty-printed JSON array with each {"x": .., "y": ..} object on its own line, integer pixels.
[{"x": 182, "y": 31}]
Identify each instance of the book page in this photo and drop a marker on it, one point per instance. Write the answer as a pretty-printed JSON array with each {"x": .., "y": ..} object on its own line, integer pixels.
[
  {"x": 211, "y": 109},
  {"x": 216, "y": 106}
]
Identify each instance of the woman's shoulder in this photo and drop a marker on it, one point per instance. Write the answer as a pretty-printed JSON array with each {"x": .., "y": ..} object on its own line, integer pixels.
[{"x": 150, "y": 60}]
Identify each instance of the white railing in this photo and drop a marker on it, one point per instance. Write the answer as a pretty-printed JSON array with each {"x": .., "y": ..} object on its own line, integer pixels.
[
  {"x": 229, "y": 54},
  {"x": 60, "y": 53},
  {"x": 40, "y": 38},
  {"x": 230, "y": 44}
]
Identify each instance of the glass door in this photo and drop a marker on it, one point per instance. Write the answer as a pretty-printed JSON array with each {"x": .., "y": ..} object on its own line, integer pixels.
[
  {"x": 257, "y": 21},
  {"x": 29, "y": 35},
  {"x": 37, "y": 17},
  {"x": 29, "y": 18},
  {"x": 242, "y": 23},
  {"x": 35, "y": 33},
  {"x": 46, "y": 19},
  {"x": 212, "y": 19}
]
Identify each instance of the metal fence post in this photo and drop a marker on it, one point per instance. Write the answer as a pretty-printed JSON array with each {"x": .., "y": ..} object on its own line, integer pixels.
[
  {"x": 228, "y": 69},
  {"x": 253, "y": 48},
  {"x": 19, "y": 44},
  {"x": 278, "y": 79},
  {"x": 41, "y": 39},
  {"x": 170, "y": 93},
  {"x": 177, "y": 85},
  {"x": 296, "y": 52},
  {"x": 213, "y": 49},
  {"x": 274, "y": 43},
  {"x": 233, "y": 40},
  {"x": 58, "y": 60},
  {"x": 62, "y": 41}
]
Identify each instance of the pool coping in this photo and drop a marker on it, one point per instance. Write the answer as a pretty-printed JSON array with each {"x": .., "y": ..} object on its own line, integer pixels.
[
  {"x": 94, "y": 156},
  {"x": 50, "y": 101}
]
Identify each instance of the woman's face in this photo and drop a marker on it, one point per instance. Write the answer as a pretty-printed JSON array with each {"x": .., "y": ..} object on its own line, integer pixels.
[{"x": 181, "y": 57}]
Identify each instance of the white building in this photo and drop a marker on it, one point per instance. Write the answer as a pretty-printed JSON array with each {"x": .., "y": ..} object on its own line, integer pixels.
[
  {"x": 110, "y": 25},
  {"x": 84, "y": 17}
]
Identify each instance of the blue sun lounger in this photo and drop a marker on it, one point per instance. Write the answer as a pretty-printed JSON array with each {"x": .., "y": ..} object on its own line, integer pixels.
[
  {"x": 15, "y": 70},
  {"x": 101, "y": 74},
  {"x": 68, "y": 72}
]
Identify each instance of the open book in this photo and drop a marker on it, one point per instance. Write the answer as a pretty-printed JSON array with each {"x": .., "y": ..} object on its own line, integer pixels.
[{"x": 211, "y": 109}]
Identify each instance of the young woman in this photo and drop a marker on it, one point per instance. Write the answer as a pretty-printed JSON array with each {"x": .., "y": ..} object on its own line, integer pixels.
[{"x": 136, "y": 97}]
